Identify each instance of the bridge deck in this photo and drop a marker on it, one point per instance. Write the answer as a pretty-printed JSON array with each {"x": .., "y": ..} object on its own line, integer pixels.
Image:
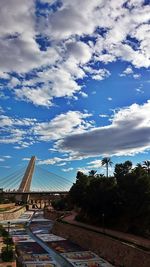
[{"x": 34, "y": 192}]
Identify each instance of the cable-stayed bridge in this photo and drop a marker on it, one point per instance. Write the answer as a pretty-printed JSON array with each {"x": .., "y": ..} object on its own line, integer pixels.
[{"x": 34, "y": 183}]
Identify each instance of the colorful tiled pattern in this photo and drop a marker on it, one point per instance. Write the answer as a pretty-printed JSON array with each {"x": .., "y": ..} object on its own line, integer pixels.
[
  {"x": 50, "y": 237},
  {"x": 64, "y": 246},
  {"x": 85, "y": 259}
]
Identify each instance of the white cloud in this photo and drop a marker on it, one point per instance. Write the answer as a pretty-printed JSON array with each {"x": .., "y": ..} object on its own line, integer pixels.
[
  {"x": 4, "y": 75},
  {"x": 52, "y": 79},
  {"x": 61, "y": 164},
  {"x": 5, "y": 121},
  {"x": 67, "y": 169},
  {"x": 97, "y": 74},
  {"x": 95, "y": 164},
  {"x": 83, "y": 94},
  {"x": 129, "y": 133},
  {"x": 129, "y": 71},
  {"x": 52, "y": 149},
  {"x": 26, "y": 159},
  {"x": 14, "y": 82},
  {"x": 103, "y": 115},
  {"x": 51, "y": 161},
  {"x": 19, "y": 50},
  {"x": 37, "y": 96},
  {"x": 71, "y": 20},
  {"x": 60, "y": 161},
  {"x": 15, "y": 131},
  {"x": 78, "y": 51},
  {"x": 109, "y": 98},
  {"x": 140, "y": 89},
  {"x": 3, "y": 96},
  {"x": 118, "y": 33},
  {"x": 136, "y": 76},
  {"x": 25, "y": 132},
  {"x": 7, "y": 157},
  {"x": 105, "y": 58},
  {"x": 62, "y": 125},
  {"x": 93, "y": 92}
]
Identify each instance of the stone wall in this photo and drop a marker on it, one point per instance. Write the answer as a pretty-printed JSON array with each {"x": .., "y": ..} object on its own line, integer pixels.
[
  {"x": 53, "y": 214},
  {"x": 6, "y": 264},
  {"x": 12, "y": 214},
  {"x": 4, "y": 206},
  {"x": 117, "y": 252}
]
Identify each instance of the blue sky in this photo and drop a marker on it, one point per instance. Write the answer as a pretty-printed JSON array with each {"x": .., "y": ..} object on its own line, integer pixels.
[{"x": 74, "y": 83}]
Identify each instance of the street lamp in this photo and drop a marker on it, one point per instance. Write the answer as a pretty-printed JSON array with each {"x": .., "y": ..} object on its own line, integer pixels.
[
  {"x": 8, "y": 227},
  {"x": 8, "y": 223}
]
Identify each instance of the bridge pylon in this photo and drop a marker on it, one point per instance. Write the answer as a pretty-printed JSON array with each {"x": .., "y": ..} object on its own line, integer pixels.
[{"x": 26, "y": 181}]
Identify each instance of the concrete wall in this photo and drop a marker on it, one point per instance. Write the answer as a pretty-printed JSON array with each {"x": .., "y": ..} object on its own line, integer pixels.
[
  {"x": 12, "y": 214},
  {"x": 117, "y": 252}
]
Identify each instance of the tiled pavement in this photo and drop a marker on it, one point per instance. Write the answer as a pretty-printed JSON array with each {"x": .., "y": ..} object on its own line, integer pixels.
[{"x": 38, "y": 248}]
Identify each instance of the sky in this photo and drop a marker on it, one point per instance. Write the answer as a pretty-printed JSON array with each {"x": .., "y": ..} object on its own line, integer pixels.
[{"x": 74, "y": 84}]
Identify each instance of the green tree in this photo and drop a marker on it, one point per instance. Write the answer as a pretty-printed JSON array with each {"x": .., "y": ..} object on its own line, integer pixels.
[
  {"x": 124, "y": 200},
  {"x": 122, "y": 169},
  {"x": 100, "y": 198},
  {"x": 106, "y": 162},
  {"x": 92, "y": 173},
  {"x": 78, "y": 190},
  {"x": 146, "y": 165},
  {"x": 139, "y": 170},
  {"x": 7, "y": 254}
]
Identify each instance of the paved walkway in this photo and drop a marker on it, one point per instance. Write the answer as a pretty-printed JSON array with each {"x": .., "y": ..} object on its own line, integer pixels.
[
  {"x": 58, "y": 258},
  {"x": 128, "y": 238}
]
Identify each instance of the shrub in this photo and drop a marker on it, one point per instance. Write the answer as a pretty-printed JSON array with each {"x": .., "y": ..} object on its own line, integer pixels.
[{"x": 7, "y": 254}]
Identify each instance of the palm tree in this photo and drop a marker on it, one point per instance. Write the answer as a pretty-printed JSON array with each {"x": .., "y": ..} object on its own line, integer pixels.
[
  {"x": 92, "y": 173},
  {"x": 139, "y": 169},
  {"x": 106, "y": 162},
  {"x": 146, "y": 165}
]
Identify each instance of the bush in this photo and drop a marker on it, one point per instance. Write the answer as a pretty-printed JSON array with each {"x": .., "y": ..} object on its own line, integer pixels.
[
  {"x": 7, "y": 254},
  {"x": 3, "y": 232}
]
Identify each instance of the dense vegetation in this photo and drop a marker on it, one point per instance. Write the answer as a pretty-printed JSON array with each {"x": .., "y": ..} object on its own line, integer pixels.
[
  {"x": 3, "y": 199},
  {"x": 7, "y": 250},
  {"x": 121, "y": 202}
]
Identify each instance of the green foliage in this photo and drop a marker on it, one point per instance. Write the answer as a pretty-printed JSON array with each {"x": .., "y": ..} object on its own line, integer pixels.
[
  {"x": 146, "y": 165},
  {"x": 3, "y": 232},
  {"x": 7, "y": 254},
  {"x": 122, "y": 169},
  {"x": 78, "y": 190},
  {"x": 121, "y": 202},
  {"x": 61, "y": 204},
  {"x": 8, "y": 240},
  {"x": 4, "y": 200},
  {"x": 92, "y": 173}
]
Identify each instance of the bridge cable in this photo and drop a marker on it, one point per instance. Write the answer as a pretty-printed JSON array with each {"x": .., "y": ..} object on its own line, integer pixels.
[
  {"x": 11, "y": 178},
  {"x": 55, "y": 185}
]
